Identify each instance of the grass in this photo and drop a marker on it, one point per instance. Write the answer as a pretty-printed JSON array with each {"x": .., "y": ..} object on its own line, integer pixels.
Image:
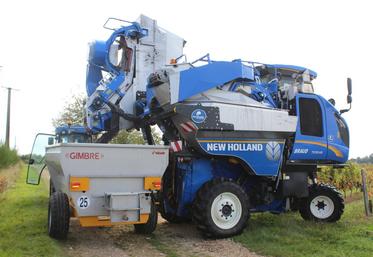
[
  {"x": 288, "y": 235},
  {"x": 23, "y": 221}
]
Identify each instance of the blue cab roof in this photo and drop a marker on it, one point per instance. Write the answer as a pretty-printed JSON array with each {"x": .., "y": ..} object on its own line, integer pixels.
[{"x": 294, "y": 68}]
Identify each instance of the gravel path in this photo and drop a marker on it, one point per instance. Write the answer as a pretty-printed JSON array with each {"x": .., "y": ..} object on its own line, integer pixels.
[{"x": 168, "y": 240}]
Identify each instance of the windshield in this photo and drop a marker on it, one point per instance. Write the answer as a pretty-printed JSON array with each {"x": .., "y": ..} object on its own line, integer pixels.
[{"x": 75, "y": 138}]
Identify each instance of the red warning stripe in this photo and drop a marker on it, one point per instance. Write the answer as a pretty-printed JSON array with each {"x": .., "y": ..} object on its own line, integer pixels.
[
  {"x": 176, "y": 146},
  {"x": 188, "y": 126}
]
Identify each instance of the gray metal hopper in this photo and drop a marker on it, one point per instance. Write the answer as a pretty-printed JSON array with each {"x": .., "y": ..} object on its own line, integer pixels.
[{"x": 106, "y": 183}]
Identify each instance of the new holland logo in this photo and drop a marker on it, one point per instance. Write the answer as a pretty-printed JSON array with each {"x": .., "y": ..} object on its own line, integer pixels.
[
  {"x": 273, "y": 151},
  {"x": 198, "y": 116}
]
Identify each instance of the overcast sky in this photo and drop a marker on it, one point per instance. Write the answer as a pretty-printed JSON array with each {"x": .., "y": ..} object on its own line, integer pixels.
[{"x": 44, "y": 46}]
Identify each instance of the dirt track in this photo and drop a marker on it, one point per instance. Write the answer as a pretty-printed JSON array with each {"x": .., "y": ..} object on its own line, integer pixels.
[{"x": 167, "y": 240}]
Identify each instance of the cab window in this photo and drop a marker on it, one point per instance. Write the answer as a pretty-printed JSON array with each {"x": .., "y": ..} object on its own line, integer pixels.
[
  {"x": 342, "y": 130},
  {"x": 311, "y": 123}
]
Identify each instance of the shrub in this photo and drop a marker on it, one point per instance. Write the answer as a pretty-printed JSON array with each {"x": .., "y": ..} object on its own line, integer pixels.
[
  {"x": 7, "y": 157},
  {"x": 347, "y": 179}
]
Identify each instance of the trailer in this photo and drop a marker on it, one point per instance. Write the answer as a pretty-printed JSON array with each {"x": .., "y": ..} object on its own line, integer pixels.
[{"x": 99, "y": 184}]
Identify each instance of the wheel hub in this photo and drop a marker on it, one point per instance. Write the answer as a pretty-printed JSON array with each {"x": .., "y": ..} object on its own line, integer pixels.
[
  {"x": 322, "y": 207},
  {"x": 226, "y": 210}
]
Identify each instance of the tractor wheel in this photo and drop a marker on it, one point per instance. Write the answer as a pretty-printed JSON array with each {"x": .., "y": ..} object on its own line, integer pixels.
[
  {"x": 221, "y": 208},
  {"x": 151, "y": 224},
  {"x": 58, "y": 215},
  {"x": 324, "y": 204}
]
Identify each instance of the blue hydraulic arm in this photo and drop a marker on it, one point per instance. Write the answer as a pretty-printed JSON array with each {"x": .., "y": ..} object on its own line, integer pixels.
[{"x": 109, "y": 65}]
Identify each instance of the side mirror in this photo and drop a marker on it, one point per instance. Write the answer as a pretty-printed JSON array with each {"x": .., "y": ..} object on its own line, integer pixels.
[
  {"x": 50, "y": 140},
  {"x": 349, "y": 86},
  {"x": 31, "y": 161},
  {"x": 349, "y": 99}
]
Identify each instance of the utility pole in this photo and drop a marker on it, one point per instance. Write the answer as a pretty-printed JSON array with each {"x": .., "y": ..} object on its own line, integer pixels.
[{"x": 7, "y": 133}]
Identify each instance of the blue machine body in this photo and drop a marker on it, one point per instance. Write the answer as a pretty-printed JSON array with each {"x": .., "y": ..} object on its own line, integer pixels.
[
  {"x": 209, "y": 76},
  {"x": 262, "y": 157}
]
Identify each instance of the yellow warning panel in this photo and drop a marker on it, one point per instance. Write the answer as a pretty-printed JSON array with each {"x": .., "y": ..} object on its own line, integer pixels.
[{"x": 152, "y": 183}]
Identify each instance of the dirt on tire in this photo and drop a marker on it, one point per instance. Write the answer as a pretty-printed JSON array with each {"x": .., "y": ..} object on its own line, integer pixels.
[{"x": 167, "y": 240}]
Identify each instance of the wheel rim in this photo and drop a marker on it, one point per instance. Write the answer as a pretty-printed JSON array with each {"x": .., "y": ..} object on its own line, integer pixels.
[
  {"x": 322, "y": 207},
  {"x": 226, "y": 210}
]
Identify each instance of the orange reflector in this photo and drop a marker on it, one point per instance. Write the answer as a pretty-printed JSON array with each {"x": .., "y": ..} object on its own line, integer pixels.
[
  {"x": 75, "y": 185},
  {"x": 79, "y": 184},
  {"x": 173, "y": 61},
  {"x": 157, "y": 184}
]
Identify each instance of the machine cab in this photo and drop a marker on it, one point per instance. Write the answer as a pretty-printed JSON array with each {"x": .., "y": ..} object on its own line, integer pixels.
[
  {"x": 322, "y": 135},
  {"x": 72, "y": 134}
]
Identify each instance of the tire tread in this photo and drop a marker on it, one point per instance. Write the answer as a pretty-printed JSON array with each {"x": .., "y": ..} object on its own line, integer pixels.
[{"x": 59, "y": 209}]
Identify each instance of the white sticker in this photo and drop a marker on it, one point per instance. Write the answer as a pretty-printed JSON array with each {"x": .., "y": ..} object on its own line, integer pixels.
[{"x": 83, "y": 202}]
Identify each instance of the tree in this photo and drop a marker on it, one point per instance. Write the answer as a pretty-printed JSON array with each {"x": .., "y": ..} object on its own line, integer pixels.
[
  {"x": 134, "y": 137},
  {"x": 73, "y": 112},
  {"x": 366, "y": 159}
]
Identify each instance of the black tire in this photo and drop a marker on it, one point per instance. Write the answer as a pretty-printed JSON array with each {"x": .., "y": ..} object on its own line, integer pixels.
[
  {"x": 51, "y": 188},
  {"x": 58, "y": 215},
  {"x": 151, "y": 224},
  {"x": 324, "y": 204},
  {"x": 166, "y": 195},
  {"x": 203, "y": 205}
]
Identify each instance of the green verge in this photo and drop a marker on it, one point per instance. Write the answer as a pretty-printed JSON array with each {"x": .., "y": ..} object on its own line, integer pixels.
[
  {"x": 23, "y": 221},
  {"x": 288, "y": 235}
]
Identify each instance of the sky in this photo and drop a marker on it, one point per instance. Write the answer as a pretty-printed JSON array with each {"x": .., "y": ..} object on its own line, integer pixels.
[{"x": 44, "y": 48}]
